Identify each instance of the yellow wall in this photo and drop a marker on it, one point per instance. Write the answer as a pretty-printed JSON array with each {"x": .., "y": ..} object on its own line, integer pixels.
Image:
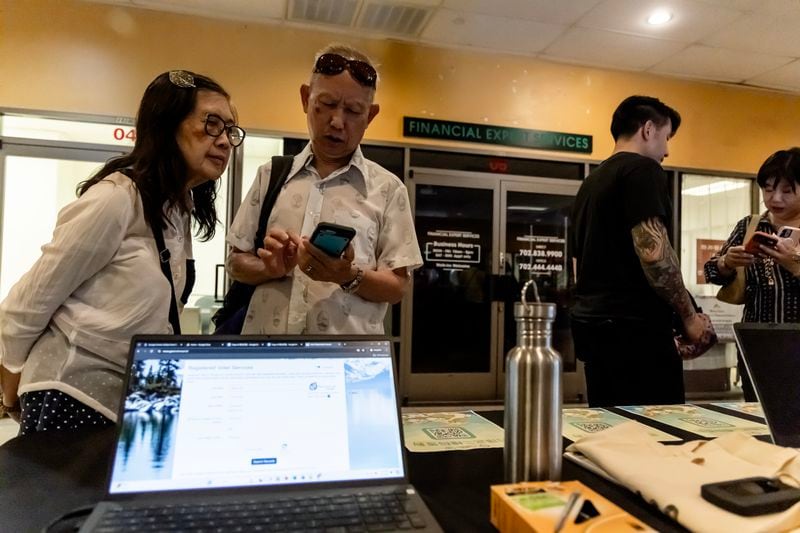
[{"x": 67, "y": 55}]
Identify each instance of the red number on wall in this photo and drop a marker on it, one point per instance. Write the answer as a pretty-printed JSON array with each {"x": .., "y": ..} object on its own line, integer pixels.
[{"x": 120, "y": 134}]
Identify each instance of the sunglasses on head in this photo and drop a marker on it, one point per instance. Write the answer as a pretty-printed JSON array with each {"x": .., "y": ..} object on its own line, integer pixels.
[{"x": 332, "y": 64}]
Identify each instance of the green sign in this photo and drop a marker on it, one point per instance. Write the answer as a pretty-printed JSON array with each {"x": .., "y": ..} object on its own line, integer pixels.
[{"x": 483, "y": 133}]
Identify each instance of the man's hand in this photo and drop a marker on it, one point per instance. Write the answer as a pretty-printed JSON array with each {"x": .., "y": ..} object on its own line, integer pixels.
[
  {"x": 694, "y": 327},
  {"x": 697, "y": 338},
  {"x": 319, "y": 266},
  {"x": 279, "y": 253},
  {"x": 275, "y": 260}
]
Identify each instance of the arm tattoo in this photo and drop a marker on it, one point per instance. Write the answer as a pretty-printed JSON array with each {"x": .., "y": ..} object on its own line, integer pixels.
[{"x": 660, "y": 265}]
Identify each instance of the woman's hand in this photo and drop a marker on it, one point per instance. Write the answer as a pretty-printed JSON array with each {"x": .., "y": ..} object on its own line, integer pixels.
[
  {"x": 735, "y": 257},
  {"x": 785, "y": 253},
  {"x": 9, "y": 384}
]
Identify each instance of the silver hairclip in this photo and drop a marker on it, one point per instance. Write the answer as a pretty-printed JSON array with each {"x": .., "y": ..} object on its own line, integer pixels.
[{"x": 181, "y": 78}]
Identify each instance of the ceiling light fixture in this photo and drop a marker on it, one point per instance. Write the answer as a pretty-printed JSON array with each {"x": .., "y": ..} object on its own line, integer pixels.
[
  {"x": 715, "y": 188},
  {"x": 658, "y": 17}
]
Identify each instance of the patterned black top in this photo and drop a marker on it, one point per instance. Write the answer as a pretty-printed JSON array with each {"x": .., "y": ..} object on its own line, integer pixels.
[{"x": 772, "y": 293}]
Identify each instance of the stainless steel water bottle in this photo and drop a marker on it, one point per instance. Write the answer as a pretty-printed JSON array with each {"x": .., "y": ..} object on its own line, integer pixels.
[{"x": 533, "y": 396}]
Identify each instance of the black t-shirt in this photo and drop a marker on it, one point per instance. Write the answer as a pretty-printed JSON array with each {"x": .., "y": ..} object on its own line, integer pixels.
[{"x": 623, "y": 191}]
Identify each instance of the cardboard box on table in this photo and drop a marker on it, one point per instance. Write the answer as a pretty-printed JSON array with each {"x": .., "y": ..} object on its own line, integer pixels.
[{"x": 537, "y": 507}]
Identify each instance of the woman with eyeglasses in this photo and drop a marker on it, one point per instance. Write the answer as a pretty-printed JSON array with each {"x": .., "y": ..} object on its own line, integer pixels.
[
  {"x": 771, "y": 266},
  {"x": 120, "y": 260}
]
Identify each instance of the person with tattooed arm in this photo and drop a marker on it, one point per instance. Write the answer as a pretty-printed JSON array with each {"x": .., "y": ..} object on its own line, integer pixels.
[{"x": 628, "y": 275}]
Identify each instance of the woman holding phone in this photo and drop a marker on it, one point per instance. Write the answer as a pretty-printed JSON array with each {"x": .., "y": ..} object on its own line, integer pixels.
[
  {"x": 120, "y": 260},
  {"x": 771, "y": 261}
]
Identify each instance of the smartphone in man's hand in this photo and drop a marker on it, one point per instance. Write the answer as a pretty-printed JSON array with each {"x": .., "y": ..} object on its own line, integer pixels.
[{"x": 332, "y": 238}]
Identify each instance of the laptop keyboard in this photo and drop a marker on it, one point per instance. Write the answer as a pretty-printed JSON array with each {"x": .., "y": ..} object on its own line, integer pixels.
[{"x": 341, "y": 513}]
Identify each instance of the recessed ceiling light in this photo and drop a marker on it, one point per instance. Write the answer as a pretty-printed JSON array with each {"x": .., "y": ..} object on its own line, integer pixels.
[{"x": 659, "y": 16}]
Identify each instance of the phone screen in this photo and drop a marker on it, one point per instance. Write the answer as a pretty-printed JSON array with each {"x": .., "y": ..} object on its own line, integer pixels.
[
  {"x": 331, "y": 243},
  {"x": 760, "y": 238},
  {"x": 332, "y": 238}
]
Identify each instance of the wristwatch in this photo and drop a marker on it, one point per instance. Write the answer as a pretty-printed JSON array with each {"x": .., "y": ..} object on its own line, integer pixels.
[
  {"x": 352, "y": 286},
  {"x": 8, "y": 409}
]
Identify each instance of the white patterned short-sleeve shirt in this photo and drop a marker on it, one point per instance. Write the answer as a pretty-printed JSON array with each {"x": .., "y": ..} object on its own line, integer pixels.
[{"x": 362, "y": 195}]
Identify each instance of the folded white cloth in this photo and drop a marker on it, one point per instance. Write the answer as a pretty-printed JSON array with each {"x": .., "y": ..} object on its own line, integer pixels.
[{"x": 670, "y": 476}]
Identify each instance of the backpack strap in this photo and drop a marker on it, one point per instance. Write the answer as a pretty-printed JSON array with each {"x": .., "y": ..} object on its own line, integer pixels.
[
  {"x": 163, "y": 259},
  {"x": 281, "y": 166}
]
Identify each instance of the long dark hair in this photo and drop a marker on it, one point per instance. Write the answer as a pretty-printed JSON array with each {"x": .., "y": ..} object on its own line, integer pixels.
[{"x": 156, "y": 164}]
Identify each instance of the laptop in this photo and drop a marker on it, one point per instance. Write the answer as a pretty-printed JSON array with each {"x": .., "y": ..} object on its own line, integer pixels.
[
  {"x": 262, "y": 434},
  {"x": 771, "y": 353}
]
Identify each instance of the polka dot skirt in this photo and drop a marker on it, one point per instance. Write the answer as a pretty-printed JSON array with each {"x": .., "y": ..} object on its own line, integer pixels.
[{"x": 51, "y": 410}]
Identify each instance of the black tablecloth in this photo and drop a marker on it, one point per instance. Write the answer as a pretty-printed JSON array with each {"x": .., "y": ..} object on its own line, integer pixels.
[
  {"x": 45, "y": 475},
  {"x": 455, "y": 485}
]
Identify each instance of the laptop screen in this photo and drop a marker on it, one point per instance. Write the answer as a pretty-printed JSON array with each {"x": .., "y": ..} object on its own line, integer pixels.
[
  {"x": 204, "y": 413},
  {"x": 771, "y": 353}
]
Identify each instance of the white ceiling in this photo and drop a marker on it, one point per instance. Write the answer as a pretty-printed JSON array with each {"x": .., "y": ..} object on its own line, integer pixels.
[{"x": 748, "y": 42}]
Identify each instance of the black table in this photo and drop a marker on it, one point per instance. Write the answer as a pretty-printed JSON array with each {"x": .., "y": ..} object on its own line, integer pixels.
[
  {"x": 455, "y": 485},
  {"x": 45, "y": 475}
]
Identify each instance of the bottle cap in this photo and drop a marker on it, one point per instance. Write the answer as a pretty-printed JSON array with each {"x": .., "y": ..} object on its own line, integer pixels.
[
  {"x": 538, "y": 310},
  {"x": 535, "y": 310}
]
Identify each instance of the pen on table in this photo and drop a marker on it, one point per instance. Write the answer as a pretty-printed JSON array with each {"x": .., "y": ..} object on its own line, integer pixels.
[
  {"x": 570, "y": 505},
  {"x": 524, "y": 490}
]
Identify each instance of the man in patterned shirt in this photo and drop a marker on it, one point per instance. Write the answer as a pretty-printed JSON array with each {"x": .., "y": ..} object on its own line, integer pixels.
[{"x": 300, "y": 289}]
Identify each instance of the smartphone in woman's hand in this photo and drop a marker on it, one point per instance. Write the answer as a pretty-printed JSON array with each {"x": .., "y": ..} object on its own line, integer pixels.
[
  {"x": 789, "y": 232},
  {"x": 759, "y": 237}
]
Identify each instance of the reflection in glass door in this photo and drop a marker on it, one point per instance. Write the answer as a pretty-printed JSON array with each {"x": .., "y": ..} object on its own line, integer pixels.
[
  {"x": 452, "y": 310},
  {"x": 534, "y": 246}
]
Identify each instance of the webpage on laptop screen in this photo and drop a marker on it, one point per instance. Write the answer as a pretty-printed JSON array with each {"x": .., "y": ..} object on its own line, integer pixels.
[{"x": 257, "y": 417}]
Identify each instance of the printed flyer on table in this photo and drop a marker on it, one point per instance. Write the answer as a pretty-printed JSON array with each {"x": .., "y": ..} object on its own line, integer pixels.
[{"x": 448, "y": 431}]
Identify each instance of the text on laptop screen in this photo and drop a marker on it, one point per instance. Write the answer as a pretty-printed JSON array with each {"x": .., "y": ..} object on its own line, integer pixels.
[{"x": 217, "y": 414}]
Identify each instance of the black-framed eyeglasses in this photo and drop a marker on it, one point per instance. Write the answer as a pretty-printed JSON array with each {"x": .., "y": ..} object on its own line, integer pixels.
[
  {"x": 332, "y": 64},
  {"x": 215, "y": 126}
]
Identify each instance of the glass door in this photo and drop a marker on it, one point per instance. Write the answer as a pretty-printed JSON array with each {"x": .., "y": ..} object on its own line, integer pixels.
[
  {"x": 482, "y": 237},
  {"x": 35, "y": 183},
  {"x": 533, "y": 236},
  {"x": 452, "y": 318}
]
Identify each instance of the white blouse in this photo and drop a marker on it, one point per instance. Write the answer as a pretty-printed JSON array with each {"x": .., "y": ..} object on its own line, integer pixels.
[{"x": 67, "y": 323}]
